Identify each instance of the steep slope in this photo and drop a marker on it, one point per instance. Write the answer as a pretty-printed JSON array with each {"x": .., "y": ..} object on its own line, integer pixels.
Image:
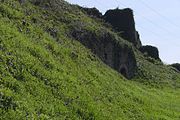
[{"x": 46, "y": 74}]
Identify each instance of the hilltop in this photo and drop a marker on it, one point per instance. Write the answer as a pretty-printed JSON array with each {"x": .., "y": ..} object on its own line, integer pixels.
[{"x": 62, "y": 61}]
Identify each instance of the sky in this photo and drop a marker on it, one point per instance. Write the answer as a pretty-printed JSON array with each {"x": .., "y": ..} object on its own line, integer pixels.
[{"x": 157, "y": 21}]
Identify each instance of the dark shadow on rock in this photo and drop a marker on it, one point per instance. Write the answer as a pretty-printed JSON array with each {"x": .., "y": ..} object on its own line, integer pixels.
[
  {"x": 118, "y": 56},
  {"x": 176, "y": 66},
  {"x": 150, "y": 51},
  {"x": 123, "y": 71}
]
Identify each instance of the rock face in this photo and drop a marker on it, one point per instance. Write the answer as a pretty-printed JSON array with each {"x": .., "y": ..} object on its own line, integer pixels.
[
  {"x": 117, "y": 56},
  {"x": 150, "y": 51},
  {"x": 123, "y": 22},
  {"x": 177, "y": 66}
]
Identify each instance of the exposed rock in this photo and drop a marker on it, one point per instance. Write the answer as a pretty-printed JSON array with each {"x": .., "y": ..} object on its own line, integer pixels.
[
  {"x": 123, "y": 22},
  {"x": 150, "y": 51},
  {"x": 177, "y": 66},
  {"x": 137, "y": 40},
  {"x": 117, "y": 56}
]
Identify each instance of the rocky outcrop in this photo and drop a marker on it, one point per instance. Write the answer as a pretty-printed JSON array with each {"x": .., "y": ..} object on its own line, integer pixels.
[
  {"x": 150, "y": 51},
  {"x": 176, "y": 66},
  {"x": 123, "y": 22},
  {"x": 118, "y": 56}
]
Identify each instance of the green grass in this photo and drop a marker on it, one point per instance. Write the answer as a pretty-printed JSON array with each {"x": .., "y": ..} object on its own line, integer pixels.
[{"x": 42, "y": 77}]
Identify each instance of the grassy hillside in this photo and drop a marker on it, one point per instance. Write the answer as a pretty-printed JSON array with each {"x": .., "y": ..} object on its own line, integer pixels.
[{"x": 46, "y": 74}]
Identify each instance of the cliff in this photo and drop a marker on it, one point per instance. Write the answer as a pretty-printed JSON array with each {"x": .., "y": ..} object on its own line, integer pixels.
[
  {"x": 118, "y": 56},
  {"x": 150, "y": 51},
  {"x": 123, "y": 22}
]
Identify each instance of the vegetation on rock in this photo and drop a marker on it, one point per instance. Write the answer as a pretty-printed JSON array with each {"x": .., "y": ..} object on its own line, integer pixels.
[{"x": 46, "y": 73}]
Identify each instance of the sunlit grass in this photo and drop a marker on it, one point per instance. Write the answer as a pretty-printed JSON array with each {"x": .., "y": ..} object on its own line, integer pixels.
[{"x": 42, "y": 77}]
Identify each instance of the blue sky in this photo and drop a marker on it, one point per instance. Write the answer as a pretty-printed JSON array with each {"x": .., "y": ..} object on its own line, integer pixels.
[{"x": 158, "y": 22}]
